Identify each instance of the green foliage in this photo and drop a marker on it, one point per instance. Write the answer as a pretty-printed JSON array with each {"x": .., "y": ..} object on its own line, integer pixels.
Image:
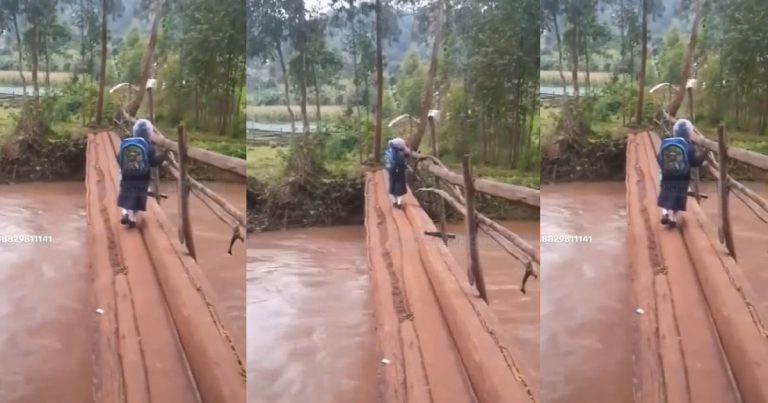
[
  {"x": 410, "y": 85},
  {"x": 201, "y": 58},
  {"x": 671, "y": 57},
  {"x": 305, "y": 159},
  {"x": 129, "y": 57},
  {"x": 615, "y": 99}
]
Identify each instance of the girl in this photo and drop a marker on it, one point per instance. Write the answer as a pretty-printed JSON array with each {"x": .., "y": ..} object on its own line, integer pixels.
[
  {"x": 676, "y": 158},
  {"x": 135, "y": 158},
  {"x": 397, "y": 154}
]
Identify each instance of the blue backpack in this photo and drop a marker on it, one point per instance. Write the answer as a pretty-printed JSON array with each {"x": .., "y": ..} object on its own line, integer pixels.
[
  {"x": 673, "y": 157},
  {"x": 134, "y": 157},
  {"x": 389, "y": 158}
]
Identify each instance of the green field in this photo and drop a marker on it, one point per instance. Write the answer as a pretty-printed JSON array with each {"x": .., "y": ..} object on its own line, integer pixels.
[
  {"x": 279, "y": 113},
  {"x": 265, "y": 163}
]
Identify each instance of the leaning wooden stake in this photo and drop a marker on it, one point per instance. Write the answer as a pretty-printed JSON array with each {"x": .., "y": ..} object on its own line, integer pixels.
[
  {"x": 151, "y": 104},
  {"x": 186, "y": 224},
  {"x": 440, "y": 202},
  {"x": 724, "y": 186},
  {"x": 474, "y": 272}
]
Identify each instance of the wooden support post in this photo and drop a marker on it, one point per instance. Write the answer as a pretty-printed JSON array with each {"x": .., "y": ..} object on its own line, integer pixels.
[
  {"x": 151, "y": 104},
  {"x": 724, "y": 187},
  {"x": 186, "y": 224},
  {"x": 440, "y": 201},
  {"x": 691, "y": 115},
  {"x": 474, "y": 271},
  {"x": 697, "y": 184}
]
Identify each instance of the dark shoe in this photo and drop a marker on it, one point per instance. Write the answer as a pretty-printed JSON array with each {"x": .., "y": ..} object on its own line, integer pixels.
[
  {"x": 665, "y": 219},
  {"x": 672, "y": 224},
  {"x": 124, "y": 219},
  {"x": 131, "y": 224}
]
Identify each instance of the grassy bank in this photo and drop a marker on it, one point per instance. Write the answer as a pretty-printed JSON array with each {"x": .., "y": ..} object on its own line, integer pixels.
[
  {"x": 234, "y": 147},
  {"x": 266, "y": 164},
  {"x": 550, "y": 116}
]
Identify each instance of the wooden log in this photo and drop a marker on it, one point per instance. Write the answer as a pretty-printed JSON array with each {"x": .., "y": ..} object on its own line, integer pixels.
[
  {"x": 513, "y": 193},
  {"x": 754, "y": 202},
  {"x": 236, "y": 214},
  {"x": 186, "y": 223},
  {"x": 520, "y": 243},
  {"x": 520, "y": 194},
  {"x": 725, "y": 216},
  {"x": 223, "y": 162},
  {"x": 474, "y": 270},
  {"x": 751, "y": 158}
]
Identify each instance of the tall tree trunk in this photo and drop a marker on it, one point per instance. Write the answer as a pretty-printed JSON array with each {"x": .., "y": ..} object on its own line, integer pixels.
[
  {"x": 317, "y": 91},
  {"x": 643, "y": 60},
  {"x": 575, "y": 62},
  {"x": 21, "y": 52},
  {"x": 82, "y": 37},
  {"x": 134, "y": 106},
  {"x": 685, "y": 73},
  {"x": 35, "y": 59},
  {"x": 47, "y": 64},
  {"x": 103, "y": 67},
  {"x": 379, "y": 84},
  {"x": 560, "y": 52},
  {"x": 622, "y": 28},
  {"x": 303, "y": 90},
  {"x": 286, "y": 86},
  {"x": 426, "y": 96},
  {"x": 303, "y": 40},
  {"x": 586, "y": 64}
]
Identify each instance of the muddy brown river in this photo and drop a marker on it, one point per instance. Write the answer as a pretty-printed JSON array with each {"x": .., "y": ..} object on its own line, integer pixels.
[
  {"x": 45, "y": 286},
  {"x": 586, "y": 310},
  {"x": 310, "y": 321},
  {"x": 45, "y": 295}
]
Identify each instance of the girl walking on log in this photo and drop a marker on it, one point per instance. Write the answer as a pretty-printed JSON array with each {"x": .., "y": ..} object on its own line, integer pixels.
[
  {"x": 135, "y": 158},
  {"x": 395, "y": 157}
]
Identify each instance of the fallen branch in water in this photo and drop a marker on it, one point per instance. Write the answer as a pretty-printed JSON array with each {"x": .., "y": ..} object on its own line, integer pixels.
[{"x": 508, "y": 240}]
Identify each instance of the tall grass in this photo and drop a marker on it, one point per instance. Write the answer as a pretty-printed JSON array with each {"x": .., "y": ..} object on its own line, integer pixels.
[
  {"x": 10, "y": 78},
  {"x": 552, "y": 78},
  {"x": 279, "y": 113}
]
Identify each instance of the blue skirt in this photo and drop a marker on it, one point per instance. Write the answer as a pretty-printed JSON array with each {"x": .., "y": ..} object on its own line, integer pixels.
[
  {"x": 397, "y": 185},
  {"x": 673, "y": 193},
  {"x": 133, "y": 193}
]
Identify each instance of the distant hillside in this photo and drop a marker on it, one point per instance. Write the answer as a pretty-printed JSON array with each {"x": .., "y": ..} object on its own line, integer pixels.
[
  {"x": 658, "y": 25},
  {"x": 395, "y": 50}
]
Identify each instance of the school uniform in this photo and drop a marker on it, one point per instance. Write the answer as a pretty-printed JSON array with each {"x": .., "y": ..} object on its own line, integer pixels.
[
  {"x": 134, "y": 187},
  {"x": 673, "y": 190}
]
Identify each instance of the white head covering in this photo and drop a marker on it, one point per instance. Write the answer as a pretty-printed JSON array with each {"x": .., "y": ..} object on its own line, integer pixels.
[
  {"x": 399, "y": 143},
  {"x": 683, "y": 128},
  {"x": 143, "y": 128}
]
